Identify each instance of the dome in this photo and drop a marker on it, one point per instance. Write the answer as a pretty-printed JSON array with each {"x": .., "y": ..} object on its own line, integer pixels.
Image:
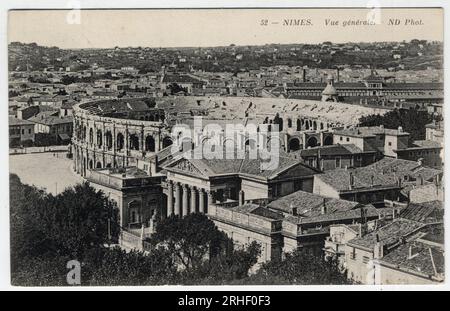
[{"x": 329, "y": 90}]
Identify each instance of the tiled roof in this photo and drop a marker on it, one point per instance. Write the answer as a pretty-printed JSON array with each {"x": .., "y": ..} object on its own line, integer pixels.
[
  {"x": 364, "y": 177},
  {"x": 331, "y": 150},
  {"x": 339, "y": 215},
  {"x": 389, "y": 234},
  {"x": 258, "y": 210},
  {"x": 309, "y": 204},
  {"x": 14, "y": 122},
  {"x": 425, "y": 212},
  {"x": 417, "y": 257},
  {"x": 404, "y": 167},
  {"x": 246, "y": 165},
  {"x": 51, "y": 120}
]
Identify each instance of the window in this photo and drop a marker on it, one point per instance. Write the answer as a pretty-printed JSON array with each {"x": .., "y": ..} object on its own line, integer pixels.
[
  {"x": 340, "y": 138},
  {"x": 23, "y": 131},
  {"x": 353, "y": 254},
  {"x": 348, "y": 139},
  {"x": 338, "y": 162},
  {"x": 365, "y": 259},
  {"x": 29, "y": 131},
  {"x": 389, "y": 144}
]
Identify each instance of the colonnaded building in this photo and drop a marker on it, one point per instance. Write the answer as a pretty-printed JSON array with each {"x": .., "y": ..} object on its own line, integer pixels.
[{"x": 124, "y": 148}]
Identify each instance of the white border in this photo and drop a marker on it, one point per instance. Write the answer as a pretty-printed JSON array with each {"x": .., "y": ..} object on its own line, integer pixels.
[{"x": 6, "y": 5}]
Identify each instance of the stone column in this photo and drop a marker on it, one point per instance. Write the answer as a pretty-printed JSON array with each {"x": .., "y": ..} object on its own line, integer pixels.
[
  {"x": 177, "y": 199},
  {"x": 210, "y": 197},
  {"x": 185, "y": 200},
  {"x": 241, "y": 197},
  {"x": 210, "y": 200},
  {"x": 169, "y": 198},
  {"x": 201, "y": 199},
  {"x": 193, "y": 200}
]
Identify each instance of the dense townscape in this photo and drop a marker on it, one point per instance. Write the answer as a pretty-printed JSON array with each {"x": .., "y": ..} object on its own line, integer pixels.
[{"x": 355, "y": 197}]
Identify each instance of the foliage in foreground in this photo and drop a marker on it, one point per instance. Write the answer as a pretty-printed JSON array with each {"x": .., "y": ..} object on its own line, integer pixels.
[{"x": 48, "y": 231}]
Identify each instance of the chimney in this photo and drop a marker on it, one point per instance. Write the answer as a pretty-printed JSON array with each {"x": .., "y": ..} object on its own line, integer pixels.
[
  {"x": 241, "y": 197},
  {"x": 293, "y": 210},
  {"x": 323, "y": 208},
  {"x": 400, "y": 129},
  {"x": 420, "y": 161},
  {"x": 337, "y": 74},
  {"x": 378, "y": 249},
  {"x": 363, "y": 215}
]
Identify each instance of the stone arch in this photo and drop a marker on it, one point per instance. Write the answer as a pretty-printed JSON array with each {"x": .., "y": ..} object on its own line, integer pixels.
[
  {"x": 109, "y": 140},
  {"x": 91, "y": 136},
  {"x": 149, "y": 143},
  {"x": 294, "y": 144},
  {"x": 91, "y": 164},
  {"x": 229, "y": 142},
  {"x": 98, "y": 165},
  {"x": 167, "y": 141},
  {"x": 134, "y": 211},
  {"x": 120, "y": 141},
  {"x": 134, "y": 142},
  {"x": 311, "y": 142},
  {"x": 328, "y": 140},
  {"x": 269, "y": 139},
  {"x": 250, "y": 144},
  {"x": 99, "y": 138}
]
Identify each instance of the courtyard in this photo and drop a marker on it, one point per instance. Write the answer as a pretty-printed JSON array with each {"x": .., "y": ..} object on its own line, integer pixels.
[{"x": 50, "y": 171}]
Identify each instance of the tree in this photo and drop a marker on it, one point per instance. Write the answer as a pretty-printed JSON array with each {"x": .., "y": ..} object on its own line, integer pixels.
[
  {"x": 117, "y": 267},
  {"x": 300, "y": 267},
  {"x": 47, "y": 231},
  {"x": 412, "y": 121},
  {"x": 176, "y": 88},
  {"x": 190, "y": 239}
]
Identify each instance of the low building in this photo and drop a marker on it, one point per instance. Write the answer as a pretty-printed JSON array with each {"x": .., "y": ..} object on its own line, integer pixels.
[
  {"x": 361, "y": 252},
  {"x": 340, "y": 234},
  {"x": 419, "y": 261},
  {"x": 365, "y": 185},
  {"x": 138, "y": 196},
  {"x": 251, "y": 222},
  {"x": 332, "y": 157},
  {"x": 393, "y": 143},
  {"x": 308, "y": 218},
  {"x": 20, "y": 131},
  {"x": 60, "y": 128}
]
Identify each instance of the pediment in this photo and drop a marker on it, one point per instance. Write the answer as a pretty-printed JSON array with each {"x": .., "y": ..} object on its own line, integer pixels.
[{"x": 186, "y": 166}]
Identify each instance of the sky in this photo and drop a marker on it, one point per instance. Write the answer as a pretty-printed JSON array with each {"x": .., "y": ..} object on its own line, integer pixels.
[{"x": 215, "y": 27}]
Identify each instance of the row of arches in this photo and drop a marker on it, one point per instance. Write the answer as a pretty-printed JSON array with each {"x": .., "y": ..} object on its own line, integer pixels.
[
  {"x": 149, "y": 143},
  {"x": 299, "y": 124}
]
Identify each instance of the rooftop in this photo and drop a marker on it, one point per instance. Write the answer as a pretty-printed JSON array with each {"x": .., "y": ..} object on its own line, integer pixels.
[
  {"x": 363, "y": 178},
  {"x": 15, "y": 122},
  {"x": 388, "y": 234},
  {"x": 309, "y": 204}
]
